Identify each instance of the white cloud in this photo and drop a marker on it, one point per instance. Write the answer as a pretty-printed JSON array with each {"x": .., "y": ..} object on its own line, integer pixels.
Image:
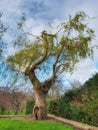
[
  {"x": 36, "y": 26},
  {"x": 55, "y": 11},
  {"x": 85, "y": 69},
  {"x": 10, "y": 6}
]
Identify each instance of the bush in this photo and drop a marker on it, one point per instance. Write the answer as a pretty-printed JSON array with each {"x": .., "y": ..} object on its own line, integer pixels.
[
  {"x": 53, "y": 107},
  {"x": 29, "y": 106},
  {"x": 86, "y": 113}
]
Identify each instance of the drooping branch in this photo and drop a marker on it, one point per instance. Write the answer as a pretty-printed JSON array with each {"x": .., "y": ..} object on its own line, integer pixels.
[{"x": 56, "y": 61}]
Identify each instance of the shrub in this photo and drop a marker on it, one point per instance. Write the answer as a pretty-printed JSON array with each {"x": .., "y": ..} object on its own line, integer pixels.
[
  {"x": 86, "y": 113},
  {"x": 29, "y": 106},
  {"x": 53, "y": 107}
]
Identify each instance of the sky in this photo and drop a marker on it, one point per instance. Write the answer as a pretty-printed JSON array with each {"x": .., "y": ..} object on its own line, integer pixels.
[{"x": 41, "y": 12}]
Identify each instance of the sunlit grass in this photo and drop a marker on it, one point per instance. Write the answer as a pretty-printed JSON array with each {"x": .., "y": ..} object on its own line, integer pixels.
[{"x": 9, "y": 124}]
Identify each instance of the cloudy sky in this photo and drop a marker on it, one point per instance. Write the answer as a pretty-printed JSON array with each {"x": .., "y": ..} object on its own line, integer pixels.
[{"x": 41, "y": 12}]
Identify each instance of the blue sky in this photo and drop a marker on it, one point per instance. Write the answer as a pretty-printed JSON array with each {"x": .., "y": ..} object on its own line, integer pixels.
[{"x": 41, "y": 12}]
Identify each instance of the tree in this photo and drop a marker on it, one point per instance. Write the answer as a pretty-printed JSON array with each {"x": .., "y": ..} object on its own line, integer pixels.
[
  {"x": 18, "y": 99},
  {"x": 58, "y": 51},
  {"x": 4, "y": 99},
  {"x": 12, "y": 99}
]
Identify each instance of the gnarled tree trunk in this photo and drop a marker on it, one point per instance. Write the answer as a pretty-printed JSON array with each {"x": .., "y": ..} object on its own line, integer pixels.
[
  {"x": 40, "y": 90},
  {"x": 39, "y": 110}
]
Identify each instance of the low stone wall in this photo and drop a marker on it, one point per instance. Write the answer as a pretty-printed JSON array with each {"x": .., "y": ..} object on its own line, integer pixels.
[{"x": 75, "y": 124}]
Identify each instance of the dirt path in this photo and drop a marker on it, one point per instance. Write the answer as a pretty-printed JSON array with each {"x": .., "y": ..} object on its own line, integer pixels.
[
  {"x": 52, "y": 118},
  {"x": 75, "y": 124}
]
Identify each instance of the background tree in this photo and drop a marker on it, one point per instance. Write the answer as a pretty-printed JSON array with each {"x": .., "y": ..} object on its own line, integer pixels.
[
  {"x": 54, "y": 53},
  {"x": 12, "y": 99},
  {"x": 4, "y": 100},
  {"x": 18, "y": 99}
]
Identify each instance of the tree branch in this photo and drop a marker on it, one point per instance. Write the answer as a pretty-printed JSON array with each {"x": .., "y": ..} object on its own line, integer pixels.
[
  {"x": 34, "y": 79},
  {"x": 56, "y": 61},
  {"x": 30, "y": 70},
  {"x": 32, "y": 35},
  {"x": 45, "y": 42}
]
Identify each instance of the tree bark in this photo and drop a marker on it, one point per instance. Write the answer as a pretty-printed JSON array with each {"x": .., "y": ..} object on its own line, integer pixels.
[
  {"x": 39, "y": 110},
  {"x": 40, "y": 91}
]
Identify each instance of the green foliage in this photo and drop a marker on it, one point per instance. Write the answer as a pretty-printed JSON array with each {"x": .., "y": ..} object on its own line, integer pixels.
[
  {"x": 80, "y": 104},
  {"x": 92, "y": 82},
  {"x": 11, "y": 112},
  {"x": 70, "y": 44},
  {"x": 26, "y": 56},
  {"x": 9, "y": 124},
  {"x": 29, "y": 106},
  {"x": 52, "y": 106},
  {"x": 2, "y": 110}
]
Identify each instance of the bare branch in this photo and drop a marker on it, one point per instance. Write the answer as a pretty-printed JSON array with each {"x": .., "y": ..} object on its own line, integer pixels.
[{"x": 28, "y": 33}]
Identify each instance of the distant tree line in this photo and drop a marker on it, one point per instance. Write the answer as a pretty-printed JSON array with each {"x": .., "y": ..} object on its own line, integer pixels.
[{"x": 12, "y": 100}]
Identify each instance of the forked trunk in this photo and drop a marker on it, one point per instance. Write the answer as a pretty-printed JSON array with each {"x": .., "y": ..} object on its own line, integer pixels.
[
  {"x": 40, "y": 90},
  {"x": 39, "y": 110}
]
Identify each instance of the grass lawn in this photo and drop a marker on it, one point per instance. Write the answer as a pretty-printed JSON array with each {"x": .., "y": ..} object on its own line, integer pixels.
[{"x": 9, "y": 124}]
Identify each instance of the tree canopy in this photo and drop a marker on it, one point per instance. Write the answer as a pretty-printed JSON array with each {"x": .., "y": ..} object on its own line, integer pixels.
[{"x": 61, "y": 50}]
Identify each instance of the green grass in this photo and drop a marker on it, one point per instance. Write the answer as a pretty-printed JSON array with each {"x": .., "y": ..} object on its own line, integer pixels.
[
  {"x": 9, "y": 124},
  {"x": 12, "y": 112}
]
